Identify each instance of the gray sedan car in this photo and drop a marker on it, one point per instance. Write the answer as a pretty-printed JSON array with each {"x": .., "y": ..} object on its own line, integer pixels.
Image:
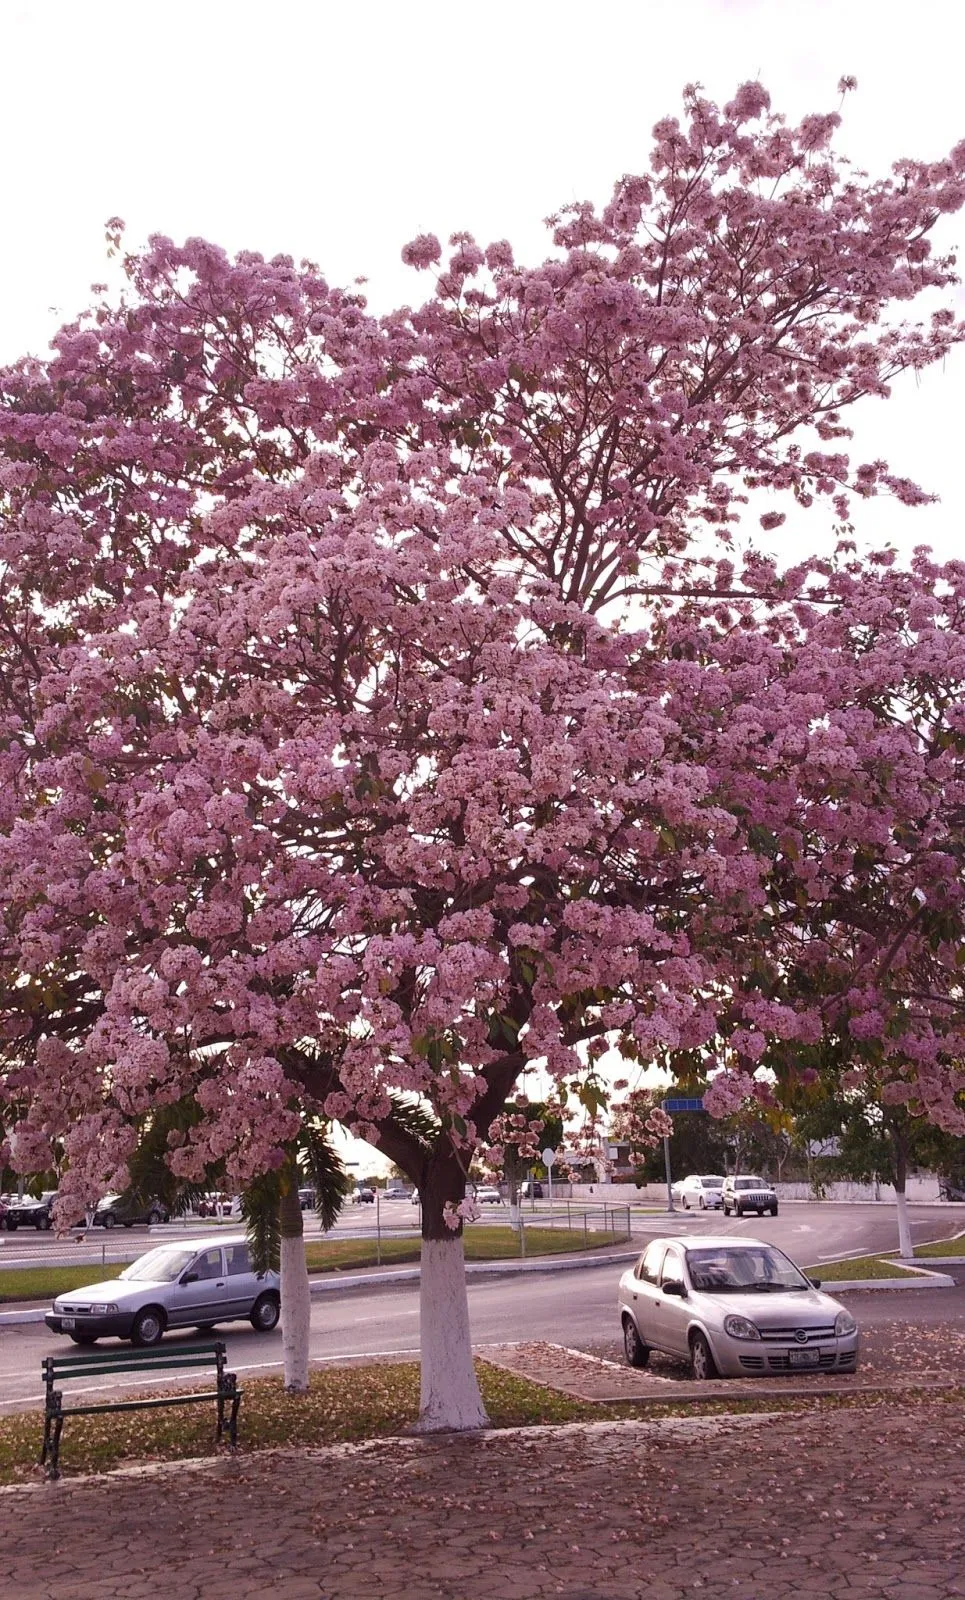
[
  {"x": 733, "y": 1308},
  {"x": 192, "y": 1285}
]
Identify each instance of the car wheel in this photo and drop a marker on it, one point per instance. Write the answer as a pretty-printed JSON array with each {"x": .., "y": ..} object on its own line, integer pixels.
[
  {"x": 44, "y": 1222},
  {"x": 265, "y": 1313},
  {"x": 725, "y": 1208},
  {"x": 702, "y": 1203},
  {"x": 84, "y": 1338},
  {"x": 11, "y": 1225},
  {"x": 686, "y": 1202},
  {"x": 637, "y": 1353},
  {"x": 738, "y": 1211},
  {"x": 154, "y": 1217},
  {"x": 148, "y": 1326},
  {"x": 701, "y": 1360},
  {"x": 109, "y": 1219},
  {"x": 773, "y": 1211}
]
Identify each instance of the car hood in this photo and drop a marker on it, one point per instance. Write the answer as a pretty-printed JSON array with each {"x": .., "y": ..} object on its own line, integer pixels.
[
  {"x": 774, "y": 1309},
  {"x": 117, "y": 1291}
]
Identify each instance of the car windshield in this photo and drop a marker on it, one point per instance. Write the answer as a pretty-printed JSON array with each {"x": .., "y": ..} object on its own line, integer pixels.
[
  {"x": 750, "y": 1269},
  {"x": 162, "y": 1265},
  {"x": 715, "y": 1183},
  {"x": 749, "y": 1183}
]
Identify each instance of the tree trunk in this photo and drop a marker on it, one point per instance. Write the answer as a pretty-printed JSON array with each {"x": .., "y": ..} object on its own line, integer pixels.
[
  {"x": 295, "y": 1296},
  {"x": 450, "y": 1400},
  {"x": 905, "y": 1247}
]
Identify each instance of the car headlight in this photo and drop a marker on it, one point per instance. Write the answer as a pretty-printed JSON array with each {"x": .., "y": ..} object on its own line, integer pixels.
[
  {"x": 103, "y": 1311},
  {"x": 844, "y": 1324},
  {"x": 741, "y": 1328}
]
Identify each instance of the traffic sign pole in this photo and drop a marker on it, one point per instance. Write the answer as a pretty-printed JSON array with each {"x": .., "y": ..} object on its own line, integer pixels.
[
  {"x": 549, "y": 1156},
  {"x": 666, "y": 1167},
  {"x": 678, "y": 1103}
]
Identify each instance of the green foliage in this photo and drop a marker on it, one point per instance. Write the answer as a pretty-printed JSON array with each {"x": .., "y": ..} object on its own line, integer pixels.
[
  {"x": 324, "y": 1170},
  {"x": 260, "y": 1207}
]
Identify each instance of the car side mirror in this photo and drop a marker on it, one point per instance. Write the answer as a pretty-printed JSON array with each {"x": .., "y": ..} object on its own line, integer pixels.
[
  {"x": 675, "y": 1288},
  {"x": 191, "y": 1277},
  {"x": 815, "y": 1283}
]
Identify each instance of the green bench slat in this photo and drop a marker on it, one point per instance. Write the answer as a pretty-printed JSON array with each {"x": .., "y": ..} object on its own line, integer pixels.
[
  {"x": 135, "y": 1405},
  {"x": 100, "y": 1367},
  {"x": 127, "y": 1358}
]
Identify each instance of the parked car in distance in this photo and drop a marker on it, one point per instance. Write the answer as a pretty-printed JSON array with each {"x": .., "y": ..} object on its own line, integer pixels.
[
  {"x": 532, "y": 1189},
  {"x": 395, "y": 1194},
  {"x": 486, "y": 1195},
  {"x": 120, "y": 1208},
  {"x": 306, "y": 1199},
  {"x": 24, "y": 1211},
  {"x": 364, "y": 1196},
  {"x": 414, "y": 1197},
  {"x": 702, "y": 1191},
  {"x": 196, "y": 1284},
  {"x": 747, "y": 1193},
  {"x": 733, "y": 1308},
  {"x": 30, "y": 1211}
]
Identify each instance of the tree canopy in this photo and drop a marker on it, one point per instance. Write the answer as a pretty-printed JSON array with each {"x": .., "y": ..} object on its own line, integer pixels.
[{"x": 388, "y": 703}]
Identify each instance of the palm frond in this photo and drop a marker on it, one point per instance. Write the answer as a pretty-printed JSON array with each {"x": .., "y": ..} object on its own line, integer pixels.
[
  {"x": 259, "y": 1207},
  {"x": 325, "y": 1172},
  {"x": 415, "y": 1119}
]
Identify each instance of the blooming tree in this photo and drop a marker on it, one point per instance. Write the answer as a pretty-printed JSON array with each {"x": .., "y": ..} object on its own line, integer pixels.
[{"x": 386, "y": 709}]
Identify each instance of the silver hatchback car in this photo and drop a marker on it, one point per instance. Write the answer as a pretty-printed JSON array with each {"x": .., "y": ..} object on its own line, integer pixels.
[
  {"x": 733, "y": 1308},
  {"x": 188, "y": 1285}
]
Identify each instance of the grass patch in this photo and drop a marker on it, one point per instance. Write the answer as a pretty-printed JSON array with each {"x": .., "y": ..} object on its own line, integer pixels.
[
  {"x": 482, "y": 1243},
  {"x": 942, "y": 1247},
  {"x": 348, "y": 1403},
  {"x": 856, "y": 1267},
  {"x": 42, "y": 1283},
  {"x": 342, "y": 1404}
]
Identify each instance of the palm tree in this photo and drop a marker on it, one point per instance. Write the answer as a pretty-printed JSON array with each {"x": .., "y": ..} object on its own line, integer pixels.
[{"x": 276, "y": 1235}]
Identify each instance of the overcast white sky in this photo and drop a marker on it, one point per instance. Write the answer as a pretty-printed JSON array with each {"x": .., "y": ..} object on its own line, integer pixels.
[{"x": 337, "y": 131}]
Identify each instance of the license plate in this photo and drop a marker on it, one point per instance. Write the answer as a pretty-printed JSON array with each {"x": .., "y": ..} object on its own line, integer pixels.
[
  {"x": 67, "y": 1322},
  {"x": 803, "y": 1358}
]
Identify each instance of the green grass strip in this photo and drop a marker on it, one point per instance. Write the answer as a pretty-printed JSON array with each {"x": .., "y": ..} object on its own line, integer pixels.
[
  {"x": 942, "y": 1247},
  {"x": 856, "y": 1267},
  {"x": 481, "y": 1243}
]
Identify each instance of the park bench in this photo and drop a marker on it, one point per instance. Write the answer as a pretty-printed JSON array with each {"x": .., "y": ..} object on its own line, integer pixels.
[{"x": 61, "y": 1369}]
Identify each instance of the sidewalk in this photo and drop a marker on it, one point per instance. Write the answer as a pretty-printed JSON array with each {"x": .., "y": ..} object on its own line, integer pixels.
[{"x": 839, "y": 1505}]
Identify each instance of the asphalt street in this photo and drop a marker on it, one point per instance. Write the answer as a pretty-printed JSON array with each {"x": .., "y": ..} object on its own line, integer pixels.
[{"x": 576, "y": 1308}]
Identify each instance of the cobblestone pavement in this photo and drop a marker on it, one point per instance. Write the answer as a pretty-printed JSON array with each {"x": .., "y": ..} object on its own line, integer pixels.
[{"x": 842, "y": 1504}]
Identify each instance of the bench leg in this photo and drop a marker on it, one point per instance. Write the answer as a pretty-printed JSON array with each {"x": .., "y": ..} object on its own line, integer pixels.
[
  {"x": 53, "y": 1466},
  {"x": 233, "y": 1424}
]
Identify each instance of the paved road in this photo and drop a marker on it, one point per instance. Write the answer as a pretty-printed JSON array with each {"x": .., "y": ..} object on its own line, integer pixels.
[
  {"x": 809, "y": 1231},
  {"x": 576, "y": 1308}
]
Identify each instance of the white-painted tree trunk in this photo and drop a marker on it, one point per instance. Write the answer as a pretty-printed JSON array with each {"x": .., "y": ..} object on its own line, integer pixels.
[
  {"x": 450, "y": 1399},
  {"x": 905, "y": 1247},
  {"x": 296, "y": 1306}
]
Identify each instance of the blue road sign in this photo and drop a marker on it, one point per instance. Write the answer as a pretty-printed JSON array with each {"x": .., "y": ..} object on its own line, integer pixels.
[{"x": 694, "y": 1103}]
